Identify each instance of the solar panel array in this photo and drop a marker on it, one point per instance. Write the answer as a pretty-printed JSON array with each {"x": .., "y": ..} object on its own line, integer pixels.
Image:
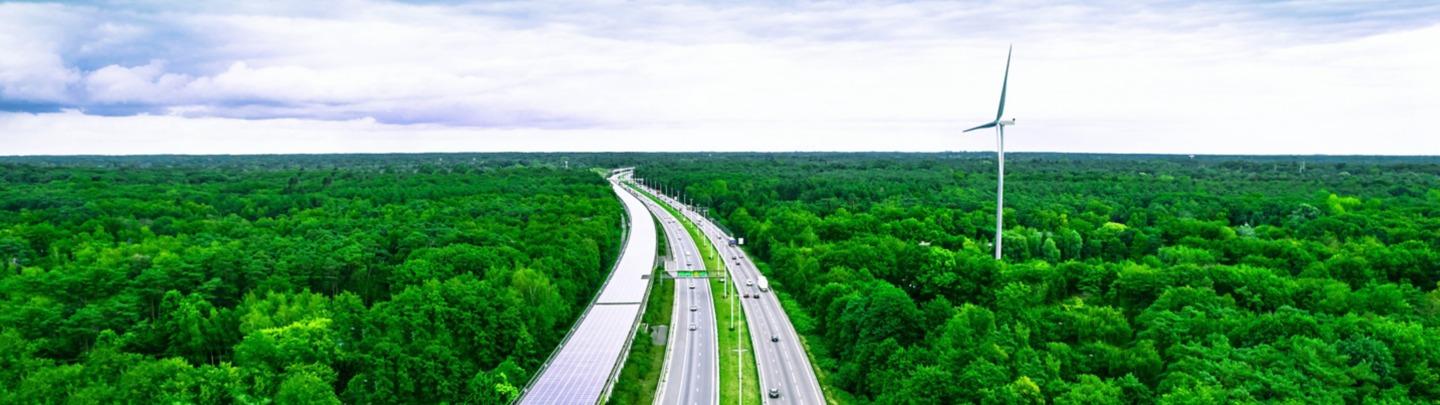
[
  {"x": 580, "y": 371},
  {"x": 627, "y": 283}
]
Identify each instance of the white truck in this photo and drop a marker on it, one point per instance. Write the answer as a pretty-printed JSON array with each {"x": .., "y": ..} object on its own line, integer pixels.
[{"x": 764, "y": 284}]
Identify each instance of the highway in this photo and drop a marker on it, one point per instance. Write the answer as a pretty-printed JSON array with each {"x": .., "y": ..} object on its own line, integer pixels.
[
  {"x": 692, "y": 369},
  {"x": 783, "y": 363}
]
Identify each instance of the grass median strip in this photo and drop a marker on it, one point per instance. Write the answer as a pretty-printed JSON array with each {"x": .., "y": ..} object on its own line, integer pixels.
[{"x": 729, "y": 340}]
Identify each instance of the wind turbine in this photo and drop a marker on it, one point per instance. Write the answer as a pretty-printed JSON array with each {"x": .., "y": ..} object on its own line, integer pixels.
[{"x": 1000, "y": 151}]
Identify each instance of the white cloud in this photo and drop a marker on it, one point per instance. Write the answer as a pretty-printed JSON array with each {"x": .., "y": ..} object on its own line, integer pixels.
[
  {"x": 1109, "y": 76},
  {"x": 31, "y": 68},
  {"x": 142, "y": 84}
]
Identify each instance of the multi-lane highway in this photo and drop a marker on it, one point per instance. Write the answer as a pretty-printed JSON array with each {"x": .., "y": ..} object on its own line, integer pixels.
[
  {"x": 692, "y": 374},
  {"x": 581, "y": 370},
  {"x": 783, "y": 364}
]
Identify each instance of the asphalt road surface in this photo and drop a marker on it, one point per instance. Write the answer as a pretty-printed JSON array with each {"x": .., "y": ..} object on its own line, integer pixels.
[
  {"x": 783, "y": 364},
  {"x": 693, "y": 370}
]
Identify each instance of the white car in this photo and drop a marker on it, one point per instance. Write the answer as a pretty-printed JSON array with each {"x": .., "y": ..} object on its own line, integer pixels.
[
  {"x": 692, "y": 326},
  {"x": 749, "y": 282}
]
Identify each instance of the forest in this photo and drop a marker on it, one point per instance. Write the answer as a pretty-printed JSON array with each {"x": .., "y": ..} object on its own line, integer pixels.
[
  {"x": 1125, "y": 280},
  {"x": 292, "y": 279},
  {"x": 448, "y": 278}
]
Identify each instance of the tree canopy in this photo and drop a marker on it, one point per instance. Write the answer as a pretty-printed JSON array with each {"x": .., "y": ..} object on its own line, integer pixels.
[
  {"x": 1126, "y": 280},
  {"x": 227, "y": 285}
]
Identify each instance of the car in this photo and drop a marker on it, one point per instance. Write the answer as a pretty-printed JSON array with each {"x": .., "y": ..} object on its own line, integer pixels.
[
  {"x": 749, "y": 282},
  {"x": 774, "y": 392},
  {"x": 776, "y": 338},
  {"x": 757, "y": 296},
  {"x": 692, "y": 326},
  {"x": 694, "y": 308},
  {"x": 736, "y": 258},
  {"x": 692, "y": 283},
  {"x": 747, "y": 295}
]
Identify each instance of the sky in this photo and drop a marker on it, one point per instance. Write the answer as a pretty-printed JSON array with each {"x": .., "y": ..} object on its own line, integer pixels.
[{"x": 362, "y": 76}]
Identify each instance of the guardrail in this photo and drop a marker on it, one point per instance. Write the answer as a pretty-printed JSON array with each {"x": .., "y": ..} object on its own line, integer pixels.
[{"x": 723, "y": 229}]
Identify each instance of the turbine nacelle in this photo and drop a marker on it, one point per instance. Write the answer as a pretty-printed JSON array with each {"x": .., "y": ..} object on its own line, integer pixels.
[{"x": 992, "y": 124}]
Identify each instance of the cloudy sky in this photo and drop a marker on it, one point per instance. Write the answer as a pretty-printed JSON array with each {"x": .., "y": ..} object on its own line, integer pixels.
[{"x": 261, "y": 76}]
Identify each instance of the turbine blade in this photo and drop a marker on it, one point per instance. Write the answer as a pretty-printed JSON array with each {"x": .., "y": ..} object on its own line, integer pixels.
[
  {"x": 1005, "y": 83},
  {"x": 991, "y": 124}
]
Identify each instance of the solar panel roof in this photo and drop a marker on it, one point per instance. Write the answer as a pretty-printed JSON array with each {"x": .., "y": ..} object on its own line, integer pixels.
[
  {"x": 627, "y": 283},
  {"x": 579, "y": 372}
]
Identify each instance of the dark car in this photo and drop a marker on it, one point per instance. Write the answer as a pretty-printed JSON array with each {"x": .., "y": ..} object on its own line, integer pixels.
[
  {"x": 774, "y": 392},
  {"x": 747, "y": 295},
  {"x": 776, "y": 338}
]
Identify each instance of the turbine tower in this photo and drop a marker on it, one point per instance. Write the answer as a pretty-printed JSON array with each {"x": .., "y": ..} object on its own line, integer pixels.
[{"x": 1000, "y": 151}]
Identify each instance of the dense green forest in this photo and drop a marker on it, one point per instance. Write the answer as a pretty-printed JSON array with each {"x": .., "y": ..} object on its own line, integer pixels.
[
  {"x": 144, "y": 280},
  {"x": 1151, "y": 279},
  {"x": 448, "y": 278}
]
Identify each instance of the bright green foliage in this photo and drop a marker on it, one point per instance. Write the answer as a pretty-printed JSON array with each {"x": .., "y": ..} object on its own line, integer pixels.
[
  {"x": 235, "y": 286},
  {"x": 304, "y": 387},
  {"x": 1125, "y": 280}
]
